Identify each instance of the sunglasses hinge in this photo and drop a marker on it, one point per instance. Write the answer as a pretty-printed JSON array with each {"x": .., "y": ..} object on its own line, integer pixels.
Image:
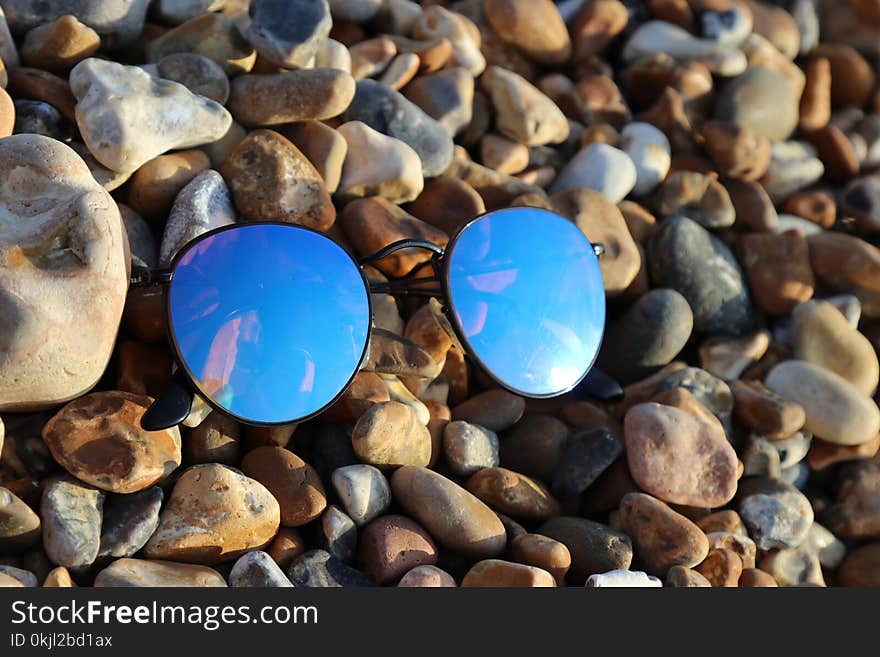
[{"x": 147, "y": 277}]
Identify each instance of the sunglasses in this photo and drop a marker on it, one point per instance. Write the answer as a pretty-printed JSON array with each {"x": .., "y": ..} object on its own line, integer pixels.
[{"x": 271, "y": 322}]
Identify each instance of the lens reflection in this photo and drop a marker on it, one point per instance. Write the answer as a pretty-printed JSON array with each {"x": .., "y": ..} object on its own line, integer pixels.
[
  {"x": 526, "y": 290},
  {"x": 270, "y": 320}
]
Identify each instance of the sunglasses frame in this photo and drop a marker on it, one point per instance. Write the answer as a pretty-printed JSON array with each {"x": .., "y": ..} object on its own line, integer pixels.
[{"x": 408, "y": 285}]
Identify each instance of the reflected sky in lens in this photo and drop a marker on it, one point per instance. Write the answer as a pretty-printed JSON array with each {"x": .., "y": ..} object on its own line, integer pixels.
[
  {"x": 271, "y": 320},
  {"x": 526, "y": 290}
]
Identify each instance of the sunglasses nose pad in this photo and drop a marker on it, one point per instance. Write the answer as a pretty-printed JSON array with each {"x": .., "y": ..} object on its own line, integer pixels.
[
  {"x": 443, "y": 320},
  {"x": 170, "y": 408}
]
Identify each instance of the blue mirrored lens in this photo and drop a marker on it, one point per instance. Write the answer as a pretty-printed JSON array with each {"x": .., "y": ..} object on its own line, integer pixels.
[
  {"x": 526, "y": 291},
  {"x": 271, "y": 321}
]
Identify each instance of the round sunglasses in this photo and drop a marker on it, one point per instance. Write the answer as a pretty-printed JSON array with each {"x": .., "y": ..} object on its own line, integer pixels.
[{"x": 271, "y": 322}]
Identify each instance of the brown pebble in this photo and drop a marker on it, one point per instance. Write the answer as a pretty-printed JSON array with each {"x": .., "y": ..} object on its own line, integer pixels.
[
  {"x": 836, "y": 152},
  {"x": 506, "y": 574},
  {"x": 726, "y": 520},
  {"x": 737, "y": 150},
  {"x": 292, "y": 481},
  {"x": 156, "y": 184},
  {"x": 778, "y": 269},
  {"x": 496, "y": 410},
  {"x": 287, "y": 545},
  {"x": 823, "y": 454},
  {"x": 59, "y": 45},
  {"x": 753, "y": 207},
  {"x": 58, "y": 578},
  {"x": 852, "y": 80},
  {"x": 814, "y": 205},
  {"x": 389, "y": 435},
  {"x": 815, "y": 108},
  {"x": 35, "y": 84},
  {"x": 324, "y": 147},
  {"x": 845, "y": 260},
  {"x": 542, "y": 552},
  {"x": 764, "y": 411},
  {"x": 861, "y": 567},
  {"x": 447, "y": 203},
  {"x": 7, "y": 114},
  {"x": 686, "y": 578},
  {"x": 426, "y": 577},
  {"x": 754, "y": 577},
  {"x": 513, "y": 494},
  {"x": 595, "y": 26},
  {"x": 722, "y": 567},
  {"x": 391, "y": 546}
]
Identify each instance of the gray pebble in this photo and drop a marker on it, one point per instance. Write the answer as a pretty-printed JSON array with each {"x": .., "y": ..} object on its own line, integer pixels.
[
  {"x": 337, "y": 533},
  {"x": 594, "y": 547},
  {"x": 363, "y": 490},
  {"x": 586, "y": 456},
  {"x": 288, "y": 32},
  {"x": 26, "y": 577},
  {"x": 257, "y": 569},
  {"x": 320, "y": 569},
  {"x": 197, "y": 73},
  {"x": 71, "y": 518},
  {"x": 776, "y": 513},
  {"x": 39, "y": 118},
  {"x": 129, "y": 521},
  {"x": 469, "y": 447}
]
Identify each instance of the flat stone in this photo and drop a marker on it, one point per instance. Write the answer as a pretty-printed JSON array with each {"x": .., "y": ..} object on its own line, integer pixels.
[
  {"x": 600, "y": 167},
  {"x": 648, "y": 336},
  {"x": 98, "y": 439},
  {"x": 53, "y": 353},
  {"x": 495, "y": 410},
  {"x": 775, "y": 512},
  {"x": 291, "y": 481},
  {"x": 149, "y": 573},
  {"x": 19, "y": 525},
  {"x": 318, "y": 569},
  {"x": 363, "y": 490},
  {"x": 371, "y": 56},
  {"x": 661, "y": 537},
  {"x": 823, "y": 337},
  {"x": 594, "y": 547},
  {"x": 199, "y": 74},
  {"x": 389, "y": 112},
  {"x": 257, "y": 569},
  {"x": 304, "y": 95},
  {"x": 727, "y": 358},
  {"x": 129, "y": 521},
  {"x": 587, "y": 454},
  {"x": 836, "y": 410},
  {"x": 513, "y": 494},
  {"x": 71, "y": 521},
  {"x": 58, "y": 45},
  {"x": 678, "y": 457},
  {"x": 288, "y": 32},
  {"x": 391, "y": 546},
  {"x": 378, "y": 165},
  {"x": 214, "y": 514},
  {"x": 469, "y": 447},
  {"x": 215, "y": 36},
  {"x": 454, "y": 517},
  {"x": 271, "y": 180},
  {"x": 389, "y": 435},
  {"x": 687, "y": 258}
]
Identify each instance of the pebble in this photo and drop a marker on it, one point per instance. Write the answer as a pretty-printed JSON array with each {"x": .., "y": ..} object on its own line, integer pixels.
[
  {"x": 215, "y": 440},
  {"x": 861, "y": 201},
  {"x": 494, "y": 410},
  {"x": 522, "y": 112},
  {"x": 288, "y": 32},
  {"x": 337, "y": 534},
  {"x": 271, "y": 180},
  {"x": 129, "y": 521},
  {"x": 513, "y": 494},
  {"x": 71, "y": 520},
  {"x": 98, "y": 439},
  {"x": 143, "y": 572},
  {"x": 391, "y": 546},
  {"x": 155, "y": 185},
  {"x": 761, "y": 99},
  {"x": 389, "y": 434},
  {"x": 727, "y": 358},
  {"x": 764, "y": 411},
  {"x": 215, "y": 36},
  {"x": 447, "y": 96},
  {"x": 503, "y": 154},
  {"x": 855, "y": 511},
  {"x": 586, "y": 455},
  {"x": 7, "y": 114},
  {"x": 363, "y": 491},
  {"x": 650, "y": 152},
  {"x": 852, "y": 80},
  {"x": 303, "y": 95},
  {"x": 112, "y": 97},
  {"x": 426, "y": 577},
  {"x": 324, "y": 147},
  {"x": 534, "y": 446},
  {"x": 453, "y": 516},
  {"x": 696, "y": 196},
  {"x": 680, "y": 577},
  {"x": 778, "y": 269},
  {"x": 371, "y": 57},
  {"x": 377, "y": 165},
  {"x": 391, "y": 354},
  {"x": 389, "y": 112},
  {"x": 678, "y": 457},
  {"x": 506, "y": 574},
  {"x": 861, "y": 567},
  {"x": 648, "y": 336},
  {"x": 661, "y": 537},
  {"x": 836, "y": 411},
  {"x": 356, "y": 11},
  {"x": 287, "y": 546},
  {"x": 542, "y": 552},
  {"x": 655, "y": 36},
  {"x": 595, "y": 25},
  {"x": 291, "y": 481},
  {"x": 37, "y": 372},
  {"x": 197, "y": 73},
  {"x": 117, "y": 22},
  {"x": 741, "y": 545},
  {"x": 401, "y": 71},
  {"x": 776, "y": 513},
  {"x": 19, "y": 525},
  {"x": 202, "y": 205},
  {"x": 601, "y": 167},
  {"x": 37, "y": 117},
  {"x": 464, "y": 37},
  {"x": 319, "y": 569},
  {"x": 722, "y": 567},
  {"x": 10, "y": 576},
  {"x": 58, "y": 45},
  {"x": 687, "y": 258},
  {"x": 845, "y": 260},
  {"x": 622, "y": 578},
  {"x": 823, "y": 337},
  {"x": 232, "y": 514},
  {"x": 469, "y": 448},
  {"x": 58, "y": 578},
  {"x": 257, "y": 569},
  {"x": 595, "y": 548},
  {"x": 176, "y": 12}
]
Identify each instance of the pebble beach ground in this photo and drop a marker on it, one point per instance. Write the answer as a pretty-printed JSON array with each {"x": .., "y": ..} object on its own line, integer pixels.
[{"x": 725, "y": 152}]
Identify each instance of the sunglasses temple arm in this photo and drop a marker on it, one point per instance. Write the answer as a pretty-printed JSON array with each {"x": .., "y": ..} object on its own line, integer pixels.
[{"x": 147, "y": 277}]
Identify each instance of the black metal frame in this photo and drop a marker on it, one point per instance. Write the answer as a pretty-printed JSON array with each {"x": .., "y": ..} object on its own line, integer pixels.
[{"x": 173, "y": 406}]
